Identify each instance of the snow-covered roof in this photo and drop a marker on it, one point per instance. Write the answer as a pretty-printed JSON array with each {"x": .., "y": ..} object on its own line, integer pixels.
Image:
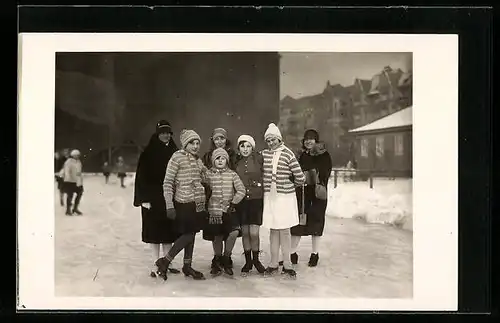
[{"x": 399, "y": 118}]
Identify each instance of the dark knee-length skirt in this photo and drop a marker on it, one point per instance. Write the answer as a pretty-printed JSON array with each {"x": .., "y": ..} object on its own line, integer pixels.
[
  {"x": 315, "y": 210},
  {"x": 156, "y": 227},
  {"x": 250, "y": 211},
  {"x": 187, "y": 220}
]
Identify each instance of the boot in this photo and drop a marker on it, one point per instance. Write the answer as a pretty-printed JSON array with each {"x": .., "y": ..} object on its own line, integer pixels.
[
  {"x": 227, "y": 265},
  {"x": 313, "y": 260},
  {"x": 75, "y": 210},
  {"x": 68, "y": 210},
  {"x": 294, "y": 258},
  {"x": 257, "y": 264},
  {"x": 248, "y": 263},
  {"x": 290, "y": 272},
  {"x": 270, "y": 271},
  {"x": 215, "y": 267},
  {"x": 162, "y": 264},
  {"x": 188, "y": 271}
]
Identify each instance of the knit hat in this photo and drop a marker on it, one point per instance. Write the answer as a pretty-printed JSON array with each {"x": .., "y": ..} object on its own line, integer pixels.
[
  {"x": 74, "y": 153},
  {"x": 219, "y": 132},
  {"x": 187, "y": 135},
  {"x": 246, "y": 138},
  {"x": 163, "y": 126},
  {"x": 218, "y": 153},
  {"x": 272, "y": 131},
  {"x": 311, "y": 134}
]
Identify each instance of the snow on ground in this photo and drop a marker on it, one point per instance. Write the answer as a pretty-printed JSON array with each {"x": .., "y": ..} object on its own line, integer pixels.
[
  {"x": 101, "y": 254},
  {"x": 389, "y": 202}
]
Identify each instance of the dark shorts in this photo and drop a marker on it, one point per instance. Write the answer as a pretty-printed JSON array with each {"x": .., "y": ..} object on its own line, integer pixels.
[
  {"x": 230, "y": 223},
  {"x": 250, "y": 211},
  {"x": 72, "y": 188},
  {"x": 187, "y": 220},
  {"x": 122, "y": 175},
  {"x": 106, "y": 174}
]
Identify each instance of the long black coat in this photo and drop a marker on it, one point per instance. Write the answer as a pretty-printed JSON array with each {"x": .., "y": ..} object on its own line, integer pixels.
[
  {"x": 315, "y": 208},
  {"x": 156, "y": 227}
]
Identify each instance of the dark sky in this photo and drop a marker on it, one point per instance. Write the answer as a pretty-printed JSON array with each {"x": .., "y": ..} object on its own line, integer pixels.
[{"x": 304, "y": 74}]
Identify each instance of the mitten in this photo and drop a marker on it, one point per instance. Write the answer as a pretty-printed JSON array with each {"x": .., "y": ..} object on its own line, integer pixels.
[
  {"x": 231, "y": 208},
  {"x": 171, "y": 214},
  {"x": 215, "y": 218}
]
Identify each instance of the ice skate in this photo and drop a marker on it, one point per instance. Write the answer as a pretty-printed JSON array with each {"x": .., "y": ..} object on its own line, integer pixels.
[
  {"x": 215, "y": 267},
  {"x": 77, "y": 212},
  {"x": 290, "y": 273},
  {"x": 188, "y": 271},
  {"x": 173, "y": 270},
  {"x": 271, "y": 271},
  {"x": 257, "y": 264},
  {"x": 313, "y": 260},
  {"x": 227, "y": 265},
  {"x": 162, "y": 264},
  {"x": 245, "y": 270}
]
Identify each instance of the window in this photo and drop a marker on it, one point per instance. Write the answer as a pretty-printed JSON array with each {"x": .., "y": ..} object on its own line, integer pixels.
[
  {"x": 364, "y": 147},
  {"x": 398, "y": 145},
  {"x": 380, "y": 146}
]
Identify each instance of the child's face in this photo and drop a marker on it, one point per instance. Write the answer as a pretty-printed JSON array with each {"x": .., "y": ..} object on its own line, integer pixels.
[
  {"x": 220, "y": 142},
  {"x": 220, "y": 162},
  {"x": 193, "y": 147},
  {"x": 273, "y": 142},
  {"x": 245, "y": 149}
]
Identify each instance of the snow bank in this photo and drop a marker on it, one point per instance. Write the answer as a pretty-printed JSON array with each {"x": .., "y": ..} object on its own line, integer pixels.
[{"x": 389, "y": 202}]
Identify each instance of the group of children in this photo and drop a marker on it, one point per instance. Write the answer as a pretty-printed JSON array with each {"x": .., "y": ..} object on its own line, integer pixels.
[
  {"x": 120, "y": 170},
  {"x": 229, "y": 194}
]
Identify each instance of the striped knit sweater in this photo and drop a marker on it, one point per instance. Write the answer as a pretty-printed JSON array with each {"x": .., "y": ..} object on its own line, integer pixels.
[
  {"x": 183, "y": 179},
  {"x": 288, "y": 174},
  {"x": 226, "y": 187}
]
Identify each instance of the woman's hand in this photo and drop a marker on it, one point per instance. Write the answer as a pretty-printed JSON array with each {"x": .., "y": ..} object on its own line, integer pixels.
[{"x": 146, "y": 205}]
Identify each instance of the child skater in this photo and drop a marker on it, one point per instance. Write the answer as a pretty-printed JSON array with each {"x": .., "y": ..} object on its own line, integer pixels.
[
  {"x": 227, "y": 190},
  {"x": 249, "y": 167},
  {"x": 71, "y": 174}
]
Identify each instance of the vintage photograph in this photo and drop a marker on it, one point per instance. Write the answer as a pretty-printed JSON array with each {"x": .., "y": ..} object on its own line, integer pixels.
[{"x": 243, "y": 174}]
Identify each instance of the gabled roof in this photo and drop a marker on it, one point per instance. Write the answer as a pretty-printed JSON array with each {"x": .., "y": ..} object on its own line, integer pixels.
[{"x": 397, "y": 119}]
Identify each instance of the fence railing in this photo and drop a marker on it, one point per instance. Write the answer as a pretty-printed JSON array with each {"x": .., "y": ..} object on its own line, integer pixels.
[{"x": 362, "y": 175}]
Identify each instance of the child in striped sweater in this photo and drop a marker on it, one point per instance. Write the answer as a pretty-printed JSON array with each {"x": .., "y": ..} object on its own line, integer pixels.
[
  {"x": 185, "y": 202},
  {"x": 223, "y": 223},
  {"x": 282, "y": 173}
]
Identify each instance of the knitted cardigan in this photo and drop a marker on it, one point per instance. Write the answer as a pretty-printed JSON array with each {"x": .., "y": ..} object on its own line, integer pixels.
[{"x": 288, "y": 174}]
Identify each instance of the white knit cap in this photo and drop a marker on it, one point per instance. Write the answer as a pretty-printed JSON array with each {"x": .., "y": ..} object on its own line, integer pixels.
[
  {"x": 272, "y": 131},
  {"x": 75, "y": 152},
  {"x": 248, "y": 139}
]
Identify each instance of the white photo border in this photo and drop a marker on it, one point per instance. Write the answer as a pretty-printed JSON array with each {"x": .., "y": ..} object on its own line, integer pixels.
[{"x": 435, "y": 142}]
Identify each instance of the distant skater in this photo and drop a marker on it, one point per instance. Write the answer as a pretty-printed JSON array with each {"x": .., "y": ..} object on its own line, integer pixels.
[
  {"x": 121, "y": 171},
  {"x": 59, "y": 160},
  {"x": 73, "y": 182},
  {"x": 106, "y": 171}
]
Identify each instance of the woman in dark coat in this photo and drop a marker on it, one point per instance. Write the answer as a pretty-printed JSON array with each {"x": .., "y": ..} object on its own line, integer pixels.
[
  {"x": 157, "y": 229},
  {"x": 316, "y": 163}
]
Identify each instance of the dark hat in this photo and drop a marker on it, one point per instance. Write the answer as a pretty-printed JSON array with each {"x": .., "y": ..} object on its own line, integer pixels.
[
  {"x": 311, "y": 134},
  {"x": 163, "y": 126}
]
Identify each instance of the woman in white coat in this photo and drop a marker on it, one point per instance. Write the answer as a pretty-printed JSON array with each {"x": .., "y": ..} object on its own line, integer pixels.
[{"x": 282, "y": 173}]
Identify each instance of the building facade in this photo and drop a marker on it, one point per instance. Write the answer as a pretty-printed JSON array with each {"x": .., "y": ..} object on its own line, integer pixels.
[
  {"x": 338, "y": 109},
  {"x": 385, "y": 145}
]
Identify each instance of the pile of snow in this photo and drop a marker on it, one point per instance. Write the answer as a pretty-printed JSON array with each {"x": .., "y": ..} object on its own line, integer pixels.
[{"x": 389, "y": 202}]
